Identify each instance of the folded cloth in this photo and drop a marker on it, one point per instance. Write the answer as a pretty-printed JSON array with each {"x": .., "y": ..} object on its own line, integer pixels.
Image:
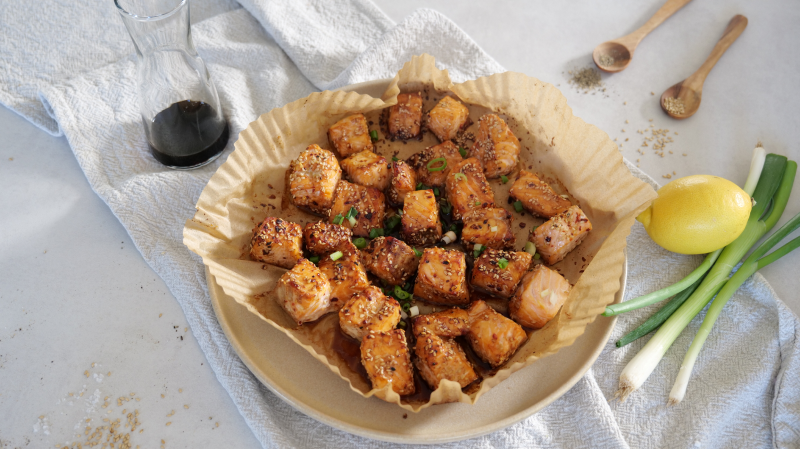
[{"x": 744, "y": 390}]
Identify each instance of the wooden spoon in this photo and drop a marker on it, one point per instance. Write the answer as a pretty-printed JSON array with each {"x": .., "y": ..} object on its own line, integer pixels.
[
  {"x": 614, "y": 56},
  {"x": 684, "y": 97}
]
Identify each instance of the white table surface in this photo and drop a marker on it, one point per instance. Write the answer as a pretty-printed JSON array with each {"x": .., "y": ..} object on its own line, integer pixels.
[{"x": 75, "y": 292}]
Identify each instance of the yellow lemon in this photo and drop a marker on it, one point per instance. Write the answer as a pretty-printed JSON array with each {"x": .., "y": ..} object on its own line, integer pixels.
[{"x": 697, "y": 214}]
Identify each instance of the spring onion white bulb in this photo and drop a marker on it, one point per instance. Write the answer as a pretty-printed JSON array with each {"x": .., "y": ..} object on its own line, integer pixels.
[
  {"x": 413, "y": 311},
  {"x": 449, "y": 237},
  {"x": 530, "y": 248},
  {"x": 756, "y": 165}
]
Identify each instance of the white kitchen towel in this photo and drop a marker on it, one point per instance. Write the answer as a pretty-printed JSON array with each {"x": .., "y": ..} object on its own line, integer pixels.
[{"x": 744, "y": 390}]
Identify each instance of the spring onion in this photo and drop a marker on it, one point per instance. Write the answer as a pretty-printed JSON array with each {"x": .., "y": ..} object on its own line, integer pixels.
[
  {"x": 445, "y": 206},
  {"x": 403, "y": 314},
  {"x": 643, "y": 364},
  {"x": 460, "y": 177},
  {"x": 504, "y": 179},
  {"x": 502, "y": 263},
  {"x": 313, "y": 259},
  {"x": 405, "y": 306},
  {"x": 338, "y": 219},
  {"x": 756, "y": 166},
  {"x": 414, "y": 311},
  {"x": 454, "y": 227},
  {"x": 375, "y": 233},
  {"x": 421, "y": 186},
  {"x": 360, "y": 242},
  {"x": 537, "y": 256},
  {"x": 477, "y": 250},
  {"x": 449, "y": 237},
  {"x": 373, "y": 135},
  {"x": 518, "y": 206},
  {"x": 530, "y": 248},
  {"x": 493, "y": 228},
  {"x": 336, "y": 256},
  {"x": 755, "y": 262},
  {"x": 462, "y": 151},
  {"x": 478, "y": 203},
  {"x": 401, "y": 325},
  {"x": 395, "y": 159},
  {"x": 433, "y": 162},
  {"x": 392, "y": 223},
  {"x": 417, "y": 252},
  {"x": 400, "y": 293},
  {"x": 436, "y": 191}
]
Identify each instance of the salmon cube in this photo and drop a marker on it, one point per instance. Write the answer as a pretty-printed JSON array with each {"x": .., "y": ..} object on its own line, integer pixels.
[
  {"x": 536, "y": 196},
  {"x": 369, "y": 310},
  {"x": 405, "y": 117},
  {"x": 304, "y": 292},
  {"x": 387, "y": 360},
  {"x": 402, "y": 181},
  {"x": 321, "y": 237},
  {"x": 495, "y": 146},
  {"x": 313, "y": 177},
  {"x": 556, "y": 237},
  {"x": 539, "y": 297},
  {"x": 420, "y": 221},
  {"x": 277, "y": 242},
  {"x": 490, "y": 227},
  {"x": 467, "y": 188},
  {"x": 431, "y": 176},
  {"x": 369, "y": 205},
  {"x": 346, "y": 274},
  {"x": 497, "y": 273},
  {"x": 390, "y": 259},
  {"x": 350, "y": 135},
  {"x": 448, "y": 118},
  {"x": 439, "y": 356},
  {"x": 442, "y": 277},
  {"x": 493, "y": 337},
  {"x": 367, "y": 169}
]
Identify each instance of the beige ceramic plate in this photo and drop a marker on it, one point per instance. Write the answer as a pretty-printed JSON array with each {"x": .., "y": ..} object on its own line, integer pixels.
[{"x": 302, "y": 381}]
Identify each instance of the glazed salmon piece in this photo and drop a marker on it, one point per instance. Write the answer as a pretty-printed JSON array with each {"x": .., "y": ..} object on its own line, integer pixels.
[
  {"x": 442, "y": 277},
  {"x": 556, "y": 237},
  {"x": 368, "y": 202},
  {"x": 367, "y": 169},
  {"x": 387, "y": 360},
  {"x": 540, "y": 295},
  {"x": 402, "y": 181},
  {"x": 490, "y": 227},
  {"x": 346, "y": 274},
  {"x": 390, "y": 259},
  {"x": 313, "y": 178},
  {"x": 321, "y": 237},
  {"x": 432, "y": 177},
  {"x": 439, "y": 357},
  {"x": 467, "y": 189},
  {"x": 369, "y": 310},
  {"x": 497, "y": 273},
  {"x": 495, "y": 146},
  {"x": 448, "y": 118},
  {"x": 277, "y": 242},
  {"x": 493, "y": 337},
  {"x": 304, "y": 292},
  {"x": 350, "y": 135},
  {"x": 405, "y": 118},
  {"x": 420, "y": 220},
  {"x": 537, "y": 197}
]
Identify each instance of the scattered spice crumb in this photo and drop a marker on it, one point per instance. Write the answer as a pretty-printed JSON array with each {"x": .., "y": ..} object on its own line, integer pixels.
[
  {"x": 652, "y": 93},
  {"x": 586, "y": 78},
  {"x": 180, "y": 390},
  {"x": 160, "y": 314},
  {"x": 162, "y": 395},
  {"x": 684, "y": 154},
  {"x": 606, "y": 60},
  {"x": 627, "y": 121},
  {"x": 668, "y": 176},
  {"x": 169, "y": 423},
  {"x": 86, "y": 373},
  {"x": 216, "y": 424},
  {"x": 624, "y": 102},
  {"x": 186, "y": 406},
  {"x": 626, "y": 139}
]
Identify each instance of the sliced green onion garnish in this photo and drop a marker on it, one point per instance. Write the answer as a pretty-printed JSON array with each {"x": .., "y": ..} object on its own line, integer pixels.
[
  {"x": 537, "y": 256},
  {"x": 445, "y": 206},
  {"x": 395, "y": 159},
  {"x": 453, "y": 227},
  {"x": 504, "y": 179},
  {"x": 314, "y": 259},
  {"x": 502, "y": 263},
  {"x": 373, "y": 135},
  {"x": 352, "y": 213},
  {"x": 401, "y": 324},
  {"x": 400, "y": 293},
  {"x": 375, "y": 233},
  {"x": 436, "y": 191},
  {"x": 477, "y": 250},
  {"x": 360, "y": 242},
  {"x": 406, "y": 306},
  {"x": 436, "y": 161},
  {"x": 518, "y": 206},
  {"x": 417, "y": 252},
  {"x": 336, "y": 256},
  {"x": 421, "y": 186},
  {"x": 462, "y": 151},
  {"x": 478, "y": 203},
  {"x": 352, "y": 221},
  {"x": 392, "y": 222},
  {"x": 461, "y": 177},
  {"x": 530, "y": 248},
  {"x": 338, "y": 219}
]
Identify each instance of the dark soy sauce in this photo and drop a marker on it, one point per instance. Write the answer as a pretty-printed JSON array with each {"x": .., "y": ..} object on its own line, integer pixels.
[{"x": 187, "y": 134}]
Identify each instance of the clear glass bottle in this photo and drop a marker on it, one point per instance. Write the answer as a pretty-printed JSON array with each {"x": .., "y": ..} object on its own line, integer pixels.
[{"x": 180, "y": 107}]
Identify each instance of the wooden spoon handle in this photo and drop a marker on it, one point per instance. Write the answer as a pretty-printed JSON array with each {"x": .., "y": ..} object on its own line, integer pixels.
[
  {"x": 732, "y": 32},
  {"x": 670, "y": 7}
]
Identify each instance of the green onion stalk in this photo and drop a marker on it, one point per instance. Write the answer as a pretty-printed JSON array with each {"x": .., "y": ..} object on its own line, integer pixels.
[
  {"x": 755, "y": 262},
  {"x": 756, "y": 166},
  {"x": 643, "y": 364}
]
